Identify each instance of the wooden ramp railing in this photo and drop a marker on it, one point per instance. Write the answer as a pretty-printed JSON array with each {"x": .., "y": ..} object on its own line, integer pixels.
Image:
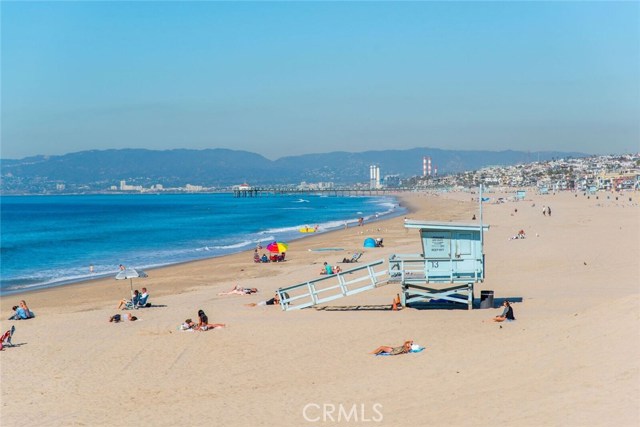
[{"x": 334, "y": 286}]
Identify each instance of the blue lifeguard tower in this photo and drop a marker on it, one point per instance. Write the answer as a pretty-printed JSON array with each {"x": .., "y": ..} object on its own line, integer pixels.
[
  {"x": 520, "y": 194},
  {"x": 452, "y": 260}
]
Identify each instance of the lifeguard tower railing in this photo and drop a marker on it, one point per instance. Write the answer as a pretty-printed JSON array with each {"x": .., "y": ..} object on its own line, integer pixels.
[
  {"x": 452, "y": 254},
  {"x": 334, "y": 286}
]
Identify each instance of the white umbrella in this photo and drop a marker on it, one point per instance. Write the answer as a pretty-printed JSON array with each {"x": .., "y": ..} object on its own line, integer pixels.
[{"x": 130, "y": 273}]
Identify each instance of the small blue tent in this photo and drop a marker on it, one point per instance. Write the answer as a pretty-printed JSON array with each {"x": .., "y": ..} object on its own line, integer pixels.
[{"x": 369, "y": 243}]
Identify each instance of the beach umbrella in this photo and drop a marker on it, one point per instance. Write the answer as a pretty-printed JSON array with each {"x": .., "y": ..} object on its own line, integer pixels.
[
  {"x": 278, "y": 247},
  {"x": 130, "y": 273},
  {"x": 369, "y": 243}
]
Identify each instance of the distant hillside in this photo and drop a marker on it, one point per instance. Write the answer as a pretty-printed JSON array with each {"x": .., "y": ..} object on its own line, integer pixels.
[{"x": 222, "y": 167}]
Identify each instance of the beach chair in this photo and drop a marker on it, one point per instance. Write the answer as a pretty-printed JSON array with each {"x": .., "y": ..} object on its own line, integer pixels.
[
  {"x": 5, "y": 340},
  {"x": 142, "y": 302},
  {"x": 356, "y": 256}
]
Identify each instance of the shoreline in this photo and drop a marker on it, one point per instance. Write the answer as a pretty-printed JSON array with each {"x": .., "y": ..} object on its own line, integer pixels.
[
  {"x": 402, "y": 200},
  {"x": 393, "y": 213}
]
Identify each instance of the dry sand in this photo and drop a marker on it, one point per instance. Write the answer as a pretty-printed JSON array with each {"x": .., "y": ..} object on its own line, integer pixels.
[{"x": 570, "y": 359}]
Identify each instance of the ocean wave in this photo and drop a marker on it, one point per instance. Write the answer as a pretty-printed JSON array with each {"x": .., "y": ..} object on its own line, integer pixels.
[{"x": 244, "y": 243}]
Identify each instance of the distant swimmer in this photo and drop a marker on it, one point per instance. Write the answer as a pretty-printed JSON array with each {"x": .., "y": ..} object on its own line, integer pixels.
[{"x": 91, "y": 269}]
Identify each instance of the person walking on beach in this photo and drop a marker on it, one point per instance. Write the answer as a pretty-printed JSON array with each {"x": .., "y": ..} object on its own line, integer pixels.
[
  {"x": 544, "y": 210},
  {"x": 549, "y": 210}
]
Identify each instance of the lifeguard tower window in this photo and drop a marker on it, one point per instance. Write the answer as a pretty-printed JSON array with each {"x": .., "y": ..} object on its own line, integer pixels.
[{"x": 437, "y": 244}]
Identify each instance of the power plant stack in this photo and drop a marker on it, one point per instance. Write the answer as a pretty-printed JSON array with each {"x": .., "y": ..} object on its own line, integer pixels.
[{"x": 374, "y": 176}]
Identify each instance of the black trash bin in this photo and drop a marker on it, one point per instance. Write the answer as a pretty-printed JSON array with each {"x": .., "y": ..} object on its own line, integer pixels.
[{"x": 486, "y": 299}]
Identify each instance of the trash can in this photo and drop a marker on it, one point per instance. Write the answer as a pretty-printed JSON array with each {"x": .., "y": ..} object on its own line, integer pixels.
[{"x": 486, "y": 299}]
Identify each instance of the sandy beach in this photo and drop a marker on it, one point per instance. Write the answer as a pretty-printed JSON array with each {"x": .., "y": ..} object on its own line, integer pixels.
[{"x": 571, "y": 358}]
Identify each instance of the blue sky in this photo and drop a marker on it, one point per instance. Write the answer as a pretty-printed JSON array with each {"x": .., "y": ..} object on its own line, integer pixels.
[{"x": 288, "y": 78}]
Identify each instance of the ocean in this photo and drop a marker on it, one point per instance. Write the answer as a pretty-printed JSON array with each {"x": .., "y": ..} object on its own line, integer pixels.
[{"x": 48, "y": 241}]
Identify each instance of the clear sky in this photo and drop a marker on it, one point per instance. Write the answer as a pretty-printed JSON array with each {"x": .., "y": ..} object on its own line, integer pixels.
[{"x": 288, "y": 78}]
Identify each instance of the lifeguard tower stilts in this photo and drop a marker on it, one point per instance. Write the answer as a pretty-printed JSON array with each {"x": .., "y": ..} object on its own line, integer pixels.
[{"x": 452, "y": 260}]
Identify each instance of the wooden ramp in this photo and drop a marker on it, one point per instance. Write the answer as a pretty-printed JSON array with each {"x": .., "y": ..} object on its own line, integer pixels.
[{"x": 334, "y": 286}]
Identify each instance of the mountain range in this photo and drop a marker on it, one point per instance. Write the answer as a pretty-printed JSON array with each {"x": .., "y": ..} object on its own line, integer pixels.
[{"x": 99, "y": 169}]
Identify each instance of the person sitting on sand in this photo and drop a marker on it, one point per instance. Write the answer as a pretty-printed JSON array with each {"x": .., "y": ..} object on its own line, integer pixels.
[
  {"x": 273, "y": 301},
  {"x": 239, "y": 290},
  {"x": 326, "y": 269},
  {"x": 133, "y": 301},
  {"x": 507, "y": 313},
  {"x": 18, "y": 313},
  {"x": 21, "y": 311},
  {"x": 144, "y": 296},
  {"x": 117, "y": 318},
  {"x": 264, "y": 258},
  {"x": 28, "y": 312},
  {"x": 393, "y": 351},
  {"x": 337, "y": 269},
  {"x": 203, "y": 323},
  {"x": 188, "y": 325},
  {"x": 256, "y": 256}
]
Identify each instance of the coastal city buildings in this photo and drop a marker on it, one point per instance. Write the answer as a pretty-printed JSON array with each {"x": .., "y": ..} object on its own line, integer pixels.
[{"x": 610, "y": 172}]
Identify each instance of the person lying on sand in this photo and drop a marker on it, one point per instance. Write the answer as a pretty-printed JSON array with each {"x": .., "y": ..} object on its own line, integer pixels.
[
  {"x": 188, "y": 324},
  {"x": 507, "y": 313},
  {"x": 239, "y": 290},
  {"x": 393, "y": 351},
  {"x": 118, "y": 318},
  {"x": 273, "y": 301},
  {"x": 203, "y": 323}
]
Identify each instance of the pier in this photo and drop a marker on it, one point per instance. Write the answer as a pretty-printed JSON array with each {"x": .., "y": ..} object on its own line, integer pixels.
[{"x": 346, "y": 191}]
